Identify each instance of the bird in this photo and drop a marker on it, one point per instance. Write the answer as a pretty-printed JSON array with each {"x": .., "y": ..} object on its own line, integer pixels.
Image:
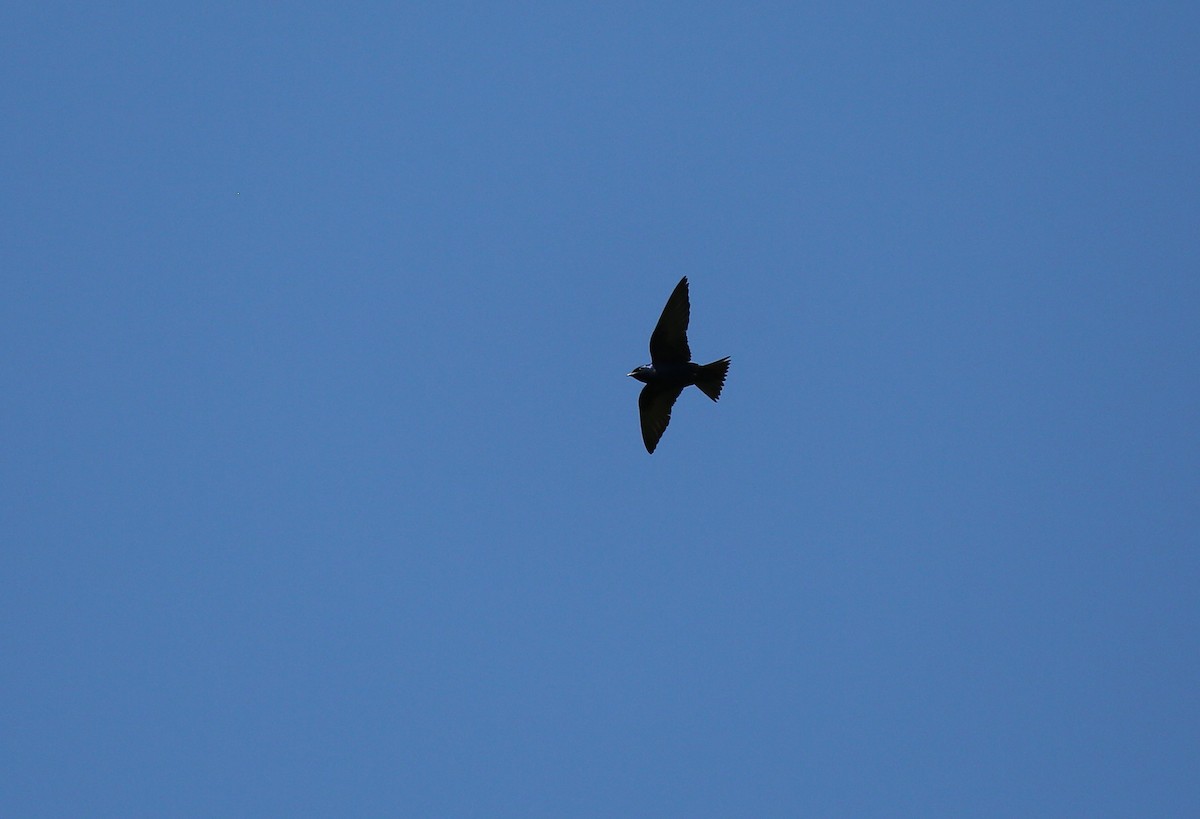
[{"x": 671, "y": 368}]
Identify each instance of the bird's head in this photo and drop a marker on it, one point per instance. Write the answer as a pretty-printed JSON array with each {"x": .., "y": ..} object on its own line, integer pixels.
[{"x": 643, "y": 373}]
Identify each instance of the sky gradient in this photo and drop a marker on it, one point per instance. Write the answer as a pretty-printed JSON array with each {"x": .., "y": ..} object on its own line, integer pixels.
[{"x": 323, "y": 489}]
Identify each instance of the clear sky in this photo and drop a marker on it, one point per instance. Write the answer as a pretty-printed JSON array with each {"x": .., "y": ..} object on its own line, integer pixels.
[{"x": 323, "y": 490}]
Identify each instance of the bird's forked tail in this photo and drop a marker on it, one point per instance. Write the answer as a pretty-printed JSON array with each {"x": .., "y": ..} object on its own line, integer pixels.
[{"x": 711, "y": 377}]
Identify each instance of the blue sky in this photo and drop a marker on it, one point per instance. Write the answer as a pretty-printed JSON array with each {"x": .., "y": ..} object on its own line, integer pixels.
[{"x": 323, "y": 486}]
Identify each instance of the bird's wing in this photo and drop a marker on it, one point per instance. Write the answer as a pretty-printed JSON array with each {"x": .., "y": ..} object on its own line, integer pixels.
[
  {"x": 654, "y": 407},
  {"x": 668, "y": 342}
]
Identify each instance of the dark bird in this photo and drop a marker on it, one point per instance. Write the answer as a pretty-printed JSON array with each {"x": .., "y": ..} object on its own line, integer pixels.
[{"x": 671, "y": 368}]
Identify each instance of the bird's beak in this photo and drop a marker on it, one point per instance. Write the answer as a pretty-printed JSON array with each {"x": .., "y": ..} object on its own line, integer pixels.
[{"x": 630, "y": 375}]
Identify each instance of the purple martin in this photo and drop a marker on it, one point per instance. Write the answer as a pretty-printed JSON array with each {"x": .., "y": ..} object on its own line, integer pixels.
[{"x": 671, "y": 368}]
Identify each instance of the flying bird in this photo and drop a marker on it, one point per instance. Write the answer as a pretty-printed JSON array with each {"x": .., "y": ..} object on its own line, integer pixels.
[{"x": 671, "y": 368}]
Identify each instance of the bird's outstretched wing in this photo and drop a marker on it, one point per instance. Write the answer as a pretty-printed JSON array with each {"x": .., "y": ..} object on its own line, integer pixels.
[
  {"x": 668, "y": 342},
  {"x": 654, "y": 407}
]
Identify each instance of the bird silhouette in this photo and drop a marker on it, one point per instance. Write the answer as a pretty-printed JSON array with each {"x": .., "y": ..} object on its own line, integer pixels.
[{"x": 671, "y": 368}]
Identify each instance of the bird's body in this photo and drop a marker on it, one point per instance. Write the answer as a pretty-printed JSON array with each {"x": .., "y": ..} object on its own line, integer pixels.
[
  {"x": 669, "y": 375},
  {"x": 671, "y": 368}
]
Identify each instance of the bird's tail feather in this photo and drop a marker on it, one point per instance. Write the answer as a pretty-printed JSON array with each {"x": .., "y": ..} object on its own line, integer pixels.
[{"x": 711, "y": 378}]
